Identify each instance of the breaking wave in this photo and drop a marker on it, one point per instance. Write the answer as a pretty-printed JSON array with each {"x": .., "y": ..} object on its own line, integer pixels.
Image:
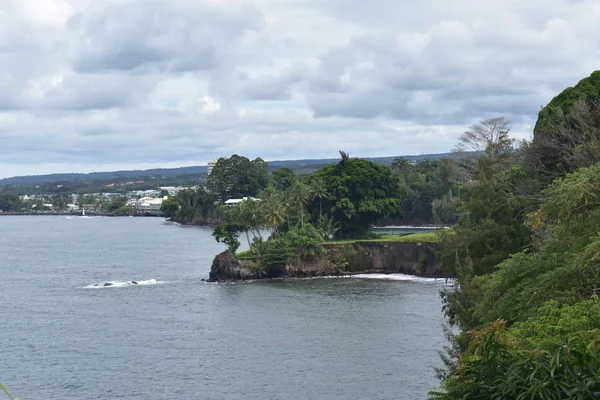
[
  {"x": 397, "y": 277},
  {"x": 117, "y": 284}
]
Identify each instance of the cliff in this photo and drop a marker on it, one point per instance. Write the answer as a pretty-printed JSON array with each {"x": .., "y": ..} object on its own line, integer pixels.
[{"x": 414, "y": 258}]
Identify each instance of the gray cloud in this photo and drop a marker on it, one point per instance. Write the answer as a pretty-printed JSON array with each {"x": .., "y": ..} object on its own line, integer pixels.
[{"x": 87, "y": 85}]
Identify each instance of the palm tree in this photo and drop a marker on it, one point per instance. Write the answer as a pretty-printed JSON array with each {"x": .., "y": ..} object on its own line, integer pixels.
[
  {"x": 328, "y": 227},
  {"x": 319, "y": 191},
  {"x": 273, "y": 207},
  {"x": 274, "y": 214},
  {"x": 299, "y": 196}
]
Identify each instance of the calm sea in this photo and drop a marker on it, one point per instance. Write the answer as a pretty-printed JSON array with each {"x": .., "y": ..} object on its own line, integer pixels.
[{"x": 175, "y": 337}]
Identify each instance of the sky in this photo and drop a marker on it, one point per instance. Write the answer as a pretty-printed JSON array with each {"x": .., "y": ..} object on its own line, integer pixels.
[{"x": 136, "y": 84}]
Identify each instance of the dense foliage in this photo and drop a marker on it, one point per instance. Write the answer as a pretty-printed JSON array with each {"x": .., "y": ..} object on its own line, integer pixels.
[
  {"x": 191, "y": 206},
  {"x": 237, "y": 177},
  {"x": 588, "y": 89},
  {"x": 359, "y": 193},
  {"x": 525, "y": 257}
]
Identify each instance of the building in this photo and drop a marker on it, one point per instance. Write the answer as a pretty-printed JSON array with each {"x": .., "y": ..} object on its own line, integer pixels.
[
  {"x": 149, "y": 205},
  {"x": 211, "y": 164},
  {"x": 173, "y": 190},
  {"x": 234, "y": 202}
]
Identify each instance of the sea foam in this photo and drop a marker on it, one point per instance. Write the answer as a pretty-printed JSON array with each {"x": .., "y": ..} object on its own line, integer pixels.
[
  {"x": 120, "y": 284},
  {"x": 397, "y": 277}
]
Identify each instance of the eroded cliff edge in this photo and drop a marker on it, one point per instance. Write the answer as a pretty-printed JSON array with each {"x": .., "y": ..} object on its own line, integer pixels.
[{"x": 414, "y": 258}]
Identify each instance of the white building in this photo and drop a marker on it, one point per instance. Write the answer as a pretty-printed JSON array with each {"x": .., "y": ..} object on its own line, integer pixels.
[
  {"x": 234, "y": 202},
  {"x": 149, "y": 205},
  {"x": 211, "y": 165}
]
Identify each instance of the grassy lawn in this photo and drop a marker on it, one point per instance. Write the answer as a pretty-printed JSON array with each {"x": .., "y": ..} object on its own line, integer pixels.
[{"x": 413, "y": 237}]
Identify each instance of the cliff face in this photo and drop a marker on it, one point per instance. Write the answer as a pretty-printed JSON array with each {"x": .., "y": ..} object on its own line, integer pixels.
[
  {"x": 414, "y": 258},
  {"x": 226, "y": 268}
]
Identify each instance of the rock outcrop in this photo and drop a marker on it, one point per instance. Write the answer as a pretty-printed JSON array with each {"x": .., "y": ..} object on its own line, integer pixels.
[
  {"x": 226, "y": 267},
  {"x": 414, "y": 258}
]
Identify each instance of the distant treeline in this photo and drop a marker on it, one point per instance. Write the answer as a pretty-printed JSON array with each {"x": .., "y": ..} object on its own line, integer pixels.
[{"x": 298, "y": 166}]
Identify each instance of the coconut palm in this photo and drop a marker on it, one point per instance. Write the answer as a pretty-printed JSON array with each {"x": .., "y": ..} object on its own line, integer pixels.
[
  {"x": 318, "y": 190},
  {"x": 299, "y": 196}
]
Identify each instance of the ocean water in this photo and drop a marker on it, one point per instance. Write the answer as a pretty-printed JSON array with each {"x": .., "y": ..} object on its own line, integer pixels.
[{"x": 64, "y": 335}]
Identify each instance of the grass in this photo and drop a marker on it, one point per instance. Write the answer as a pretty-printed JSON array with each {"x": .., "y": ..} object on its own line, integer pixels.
[{"x": 429, "y": 237}]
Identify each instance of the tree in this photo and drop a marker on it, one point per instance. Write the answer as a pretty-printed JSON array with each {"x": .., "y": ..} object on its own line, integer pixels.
[
  {"x": 572, "y": 141},
  {"x": 282, "y": 178},
  {"x": 299, "y": 197},
  {"x": 489, "y": 138},
  {"x": 587, "y": 90},
  {"x": 359, "y": 193},
  {"x": 446, "y": 175},
  {"x": 169, "y": 208},
  {"x": 116, "y": 203},
  {"x": 318, "y": 190},
  {"x": 194, "y": 205},
  {"x": 238, "y": 177},
  {"x": 228, "y": 234},
  {"x": 10, "y": 202}
]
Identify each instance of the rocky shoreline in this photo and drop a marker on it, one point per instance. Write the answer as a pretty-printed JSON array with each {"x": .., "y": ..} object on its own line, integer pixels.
[{"x": 411, "y": 258}]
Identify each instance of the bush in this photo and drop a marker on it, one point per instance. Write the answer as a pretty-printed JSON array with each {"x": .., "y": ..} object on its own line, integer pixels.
[{"x": 298, "y": 243}]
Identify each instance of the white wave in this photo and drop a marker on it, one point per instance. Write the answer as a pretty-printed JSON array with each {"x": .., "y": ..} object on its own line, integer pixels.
[
  {"x": 117, "y": 284},
  {"x": 398, "y": 277}
]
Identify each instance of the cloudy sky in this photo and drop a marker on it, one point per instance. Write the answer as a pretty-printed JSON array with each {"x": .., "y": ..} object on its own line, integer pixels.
[{"x": 103, "y": 85}]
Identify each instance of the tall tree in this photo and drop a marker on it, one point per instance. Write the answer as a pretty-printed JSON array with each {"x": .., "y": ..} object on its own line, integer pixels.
[
  {"x": 238, "y": 177},
  {"x": 299, "y": 196},
  {"x": 318, "y": 190},
  {"x": 282, "y": 178},
  {"x": 489, "y": 138},
  {"x": 360, "y": 192}
]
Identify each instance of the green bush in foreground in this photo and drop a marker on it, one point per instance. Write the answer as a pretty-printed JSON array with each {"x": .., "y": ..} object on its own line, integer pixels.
[{"x": 552, "y": 356}]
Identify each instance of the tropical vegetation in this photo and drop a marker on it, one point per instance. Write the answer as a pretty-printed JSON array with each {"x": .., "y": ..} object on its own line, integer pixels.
[{"x": 524, "y": 311}]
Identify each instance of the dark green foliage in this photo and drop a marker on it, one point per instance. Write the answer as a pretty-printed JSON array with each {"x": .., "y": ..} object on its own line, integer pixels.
[
  {"x": 10, "y": 202},
  {"x": 548, "y": 343},
  {"x": 444, "y": 211},
  {"x": 228, "y": 234},
  {"x": 588, "y": 89},
  {"x": 194, "y": 205},
  {"x": 116, "y": 204},
  {"x": 495, "y": 366},
  {"x": 169, "y": 207},
  {"x": 238, "y": 177},
  {"x": 282, "y": 178},
  {"x": 302, "y": 244},
  {"x": 490, "y": 227},
  {"x": 564, "y": 262},
  {"x": 359, "y": 193},
  {"x": 572, "y": 141}
]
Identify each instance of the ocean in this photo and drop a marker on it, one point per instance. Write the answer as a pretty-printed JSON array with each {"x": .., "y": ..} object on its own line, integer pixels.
[{"x": 64, "y": 335}]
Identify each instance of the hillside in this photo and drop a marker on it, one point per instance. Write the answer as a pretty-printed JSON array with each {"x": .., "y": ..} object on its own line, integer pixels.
[
  {"x": 299, "y": 166},
  {"x": 587, "y": 88}
]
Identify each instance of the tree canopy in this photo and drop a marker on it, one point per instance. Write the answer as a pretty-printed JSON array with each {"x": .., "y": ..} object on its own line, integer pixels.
[
  {"x": 360, "y": 192},
  {"x": 238, "y": 177}
]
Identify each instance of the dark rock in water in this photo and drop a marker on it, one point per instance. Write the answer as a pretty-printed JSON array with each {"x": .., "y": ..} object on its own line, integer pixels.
[
  {"x": 226, "y": 268},
  {"x": 202, "y": 280},
  {"x": 134, "y": 282},
  {"x": 107, "y": 284}
]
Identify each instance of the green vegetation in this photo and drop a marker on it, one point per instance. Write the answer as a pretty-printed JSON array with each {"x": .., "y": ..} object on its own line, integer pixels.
[
  {"x": 588, "y": 89},
  {"x": 237, "y": 177},
  {"x": 525, "y": 256},
  {"x": 191, "y": 207},
  {"x": 429, "y": 237}
]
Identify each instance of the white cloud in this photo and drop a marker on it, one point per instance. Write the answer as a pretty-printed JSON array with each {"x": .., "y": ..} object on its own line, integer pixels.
[{"x": 111, "y": 84}]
